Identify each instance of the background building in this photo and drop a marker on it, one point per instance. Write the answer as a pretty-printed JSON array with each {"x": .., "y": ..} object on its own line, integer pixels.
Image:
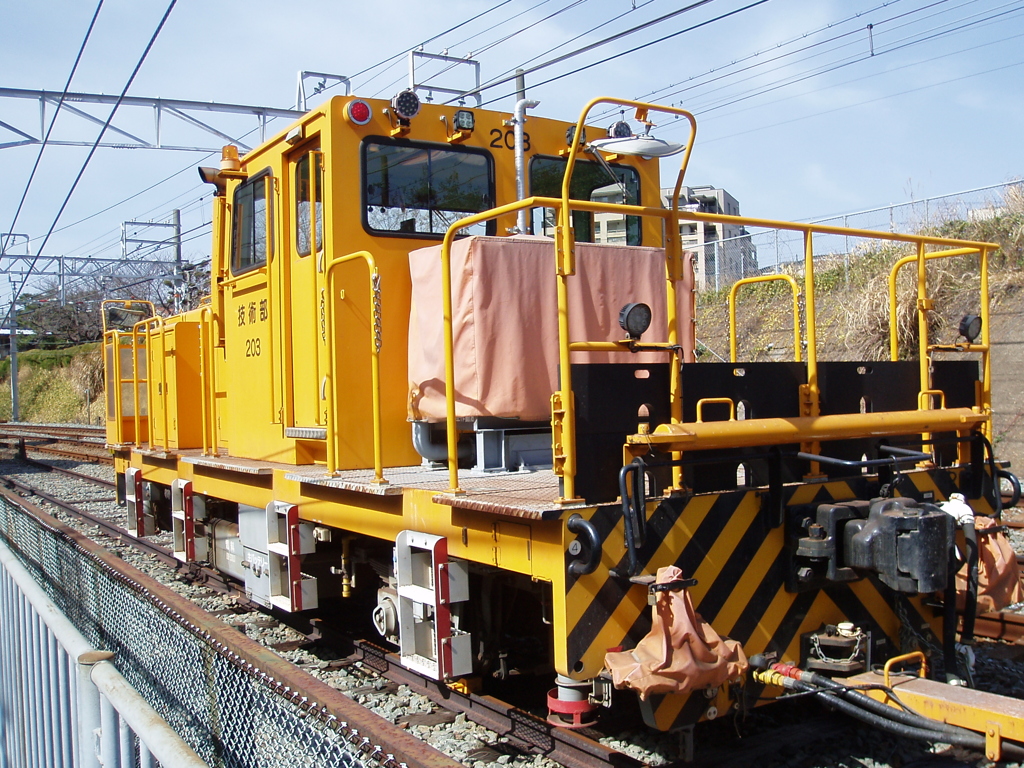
[{"x": 725, "y": 252}]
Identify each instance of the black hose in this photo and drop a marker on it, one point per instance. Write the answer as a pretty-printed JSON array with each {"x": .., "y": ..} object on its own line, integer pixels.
[
  {"x": 853, "y": 696},
  {"x": 634, "y": 513},
  {"x": 971, "y": 598},
  {"x": 1014, "y": 482},
  {"x": 997, "y": 495},
  {"x": 966, "y": 738},
  {"x": 949, "y": 617}
]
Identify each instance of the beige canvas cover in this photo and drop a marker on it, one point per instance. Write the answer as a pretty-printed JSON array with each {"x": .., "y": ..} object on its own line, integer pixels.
[
  {"x": 998, "y": 572},
  {"x": 506, "y": 320},
  {"x": 681, "y": 653}
]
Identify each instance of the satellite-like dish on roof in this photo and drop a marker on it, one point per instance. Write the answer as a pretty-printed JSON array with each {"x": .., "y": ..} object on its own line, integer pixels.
[{"x": 646, "y": 146}]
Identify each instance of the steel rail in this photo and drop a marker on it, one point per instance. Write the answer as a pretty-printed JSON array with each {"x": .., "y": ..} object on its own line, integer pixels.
[
  {"x": 111, "y": 529},
  {"x": 71, "y": 473},
  {"x": 566, "y": 747}
]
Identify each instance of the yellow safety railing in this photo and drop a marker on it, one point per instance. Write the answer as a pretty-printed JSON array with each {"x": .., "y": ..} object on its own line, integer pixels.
[
  {"x": 207, "y": 382},
  {"x": 565, "y": 242},
  {"x": 808, "y": 429},
  {"x": 764, "y": 279},
  {"x": 137, "y": 384},
  {"x": 924, "y": 305},
  {"x": 112, "y": 341},
  {"x": 145, "y": 328},
  {"x": 113, "y": 338},
  {"x": 375, "y": 346},
  {"x": 715, "y": 401}
]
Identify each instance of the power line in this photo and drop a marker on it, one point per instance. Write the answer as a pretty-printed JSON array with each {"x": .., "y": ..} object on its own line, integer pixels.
[
  {"x": 635, "y": 49},
  {"x": 631, "y": 9},
  {"x": 841, "y": 64},
  {"x": 597, "y": 44},
  {"x": 16, "y": 292},
  {"x": 391, "y": 59},
  {"x": 499, "y": 41},
  {"x": 756, "y": 54},
  {"x": 49, "y": 130}
]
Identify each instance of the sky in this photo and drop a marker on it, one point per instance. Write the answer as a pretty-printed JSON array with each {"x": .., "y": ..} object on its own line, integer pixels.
[{"x": 805, "y": 109}]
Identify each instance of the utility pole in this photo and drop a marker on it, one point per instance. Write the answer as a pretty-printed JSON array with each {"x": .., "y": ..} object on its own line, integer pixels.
[
  {"x": 178, "y": 276},
  {"x": 13, "y": 331},
  {"x": 174, "y": 241},
  {"x": 5, "y": 240}
]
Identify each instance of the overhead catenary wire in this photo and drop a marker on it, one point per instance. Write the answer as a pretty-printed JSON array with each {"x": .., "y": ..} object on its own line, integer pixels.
[
  {"x": 598, "y": 44},
  {"x": 46, "y": 138},
  {"x": 605, "y": 60},
  {"x": 726, "y": 101},
  {"x": 426, "y": 42},
  {"x": 17, "y": 291},
  {"x": 495, "y": 43},
  {"x": 632, "y": 9},
  {"x": 189, "y": 168}
]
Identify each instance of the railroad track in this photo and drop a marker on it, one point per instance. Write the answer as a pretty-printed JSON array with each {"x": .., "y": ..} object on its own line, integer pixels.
[
  {"x": 76, "y": 442},
  {"x": 518, "y": 728}
]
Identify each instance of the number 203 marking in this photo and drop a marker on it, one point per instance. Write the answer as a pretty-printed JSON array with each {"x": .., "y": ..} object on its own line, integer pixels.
[
  {"x": 507, "y": 139},
  {"x": 252, "y": 348}
]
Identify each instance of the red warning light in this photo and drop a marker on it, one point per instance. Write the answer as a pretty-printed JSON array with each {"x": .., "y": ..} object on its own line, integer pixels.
[{"x": 359, "y": 112}]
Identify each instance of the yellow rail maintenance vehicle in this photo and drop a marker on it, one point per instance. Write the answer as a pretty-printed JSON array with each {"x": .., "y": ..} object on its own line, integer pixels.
[{"x": 420, "y": 390}]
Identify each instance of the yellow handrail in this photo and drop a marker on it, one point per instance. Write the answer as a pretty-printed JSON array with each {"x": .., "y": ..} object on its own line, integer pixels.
[
  {"x": 930, "y": 393},
  {"x": 145, "y": 324},
  {"x": 924, "y": 305},
  {"x": 917, "y": 656},
  {"x": 375, "y": 345},
  {"x": 715, "y": 400},
  {"x": 565, "y": 243},
  {"x": 136, "y": 381},
  {"x": 563, "y": 410},
  {"x": 764, "y": 279},
  {"x": 208, "y": 382},
  {"x": 114, "y": 341},
  {"x": 893, "y": 273}
]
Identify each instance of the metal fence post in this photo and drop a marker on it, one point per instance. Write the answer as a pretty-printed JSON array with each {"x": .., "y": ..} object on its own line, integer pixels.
[{"x": 89, "y": 721}]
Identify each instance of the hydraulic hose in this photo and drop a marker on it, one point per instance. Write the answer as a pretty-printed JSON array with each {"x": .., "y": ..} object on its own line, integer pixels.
[
  {"x": 934, "y": 732},
  {"x": 997, "y": 496},
  {"x": 1014, "y": 482},
  {"x": 949, "y": 616},
  {"x": 853, "y": 696},
  {"x": 971, "y": 600}
]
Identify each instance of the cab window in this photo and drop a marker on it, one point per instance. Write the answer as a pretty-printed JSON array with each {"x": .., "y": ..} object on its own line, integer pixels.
[
  {"x": 415, "y": 189},
  {"x": 305, "y": 192},
  {"x": 250, "y": 224},
  {"x": 594, "y": 182}
]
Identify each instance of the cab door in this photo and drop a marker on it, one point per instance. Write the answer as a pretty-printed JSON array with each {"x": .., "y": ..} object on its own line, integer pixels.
[{"x": 305, "y": 335}]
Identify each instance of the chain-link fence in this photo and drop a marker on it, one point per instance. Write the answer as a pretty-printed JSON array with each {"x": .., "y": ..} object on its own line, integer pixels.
[
  {"x": 228, "y": 710},
  {"x": 781, "y": 250}
]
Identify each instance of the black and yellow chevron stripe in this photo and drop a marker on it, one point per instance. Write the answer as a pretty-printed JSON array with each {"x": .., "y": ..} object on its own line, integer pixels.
[{"x": 727, "y": 542}]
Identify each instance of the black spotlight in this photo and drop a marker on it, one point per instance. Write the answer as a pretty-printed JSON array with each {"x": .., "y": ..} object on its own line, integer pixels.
[
  {"x": 620, "y": 130},
  {"x": 970, "y": 327},
  {"x": 634, "y": 319},
  {"x": 464, "y": 120},
  {"x": 406, "y": 104},
  {"x": 570, "y": 133}
]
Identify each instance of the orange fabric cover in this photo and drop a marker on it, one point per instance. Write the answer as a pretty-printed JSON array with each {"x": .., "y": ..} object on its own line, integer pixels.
[
  {"x": 506, "y": 320},
  {"x": 998, "y": 573},
  {"x": 681, "y": 653}
]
